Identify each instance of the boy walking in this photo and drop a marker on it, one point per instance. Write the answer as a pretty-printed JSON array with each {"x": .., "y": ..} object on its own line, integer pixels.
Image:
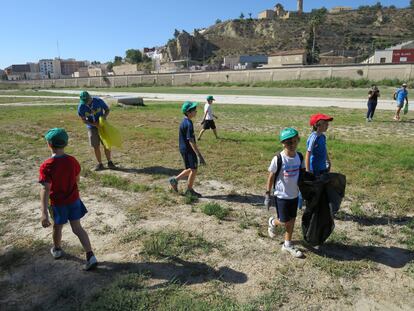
[
  {"x": 401, "y": 95},
  {"x": 59, "y": 177},
  {"x": 188, "y": 149},
  {"x": 373, "y": 95},
  {"x": 317, "y": 159},
  {"x": 208, "y": 118},
  {"x": 89, "y": 110},
  {"x": 283, "y": 177}
]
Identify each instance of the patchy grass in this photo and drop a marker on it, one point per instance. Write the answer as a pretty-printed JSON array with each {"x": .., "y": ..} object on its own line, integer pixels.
[
  {"x": 216, "y": 210},
  {"x": 175, "y": 244},
  {"x": 408, "y": 232},
  {"x": 343, "y": 269},
  {"x": 132, "y": 236}
]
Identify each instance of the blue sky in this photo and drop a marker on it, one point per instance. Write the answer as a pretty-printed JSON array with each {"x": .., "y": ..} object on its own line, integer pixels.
[{"x": 100, "y": 29}]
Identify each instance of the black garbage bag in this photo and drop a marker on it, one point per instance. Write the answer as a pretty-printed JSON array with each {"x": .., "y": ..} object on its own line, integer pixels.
[{"x": 323, "y": 195}]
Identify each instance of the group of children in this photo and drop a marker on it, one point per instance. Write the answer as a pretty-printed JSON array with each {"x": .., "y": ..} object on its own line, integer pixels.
[{"x": 59, "y": 175}]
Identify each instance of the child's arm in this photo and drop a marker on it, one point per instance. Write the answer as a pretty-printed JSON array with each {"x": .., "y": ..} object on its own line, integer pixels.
[
  {"x": 195, "y": 148},
  {"x": 44, "y": 203},
  {"x": 307, "y": 161},
  {"x": 270, "y": 182}
]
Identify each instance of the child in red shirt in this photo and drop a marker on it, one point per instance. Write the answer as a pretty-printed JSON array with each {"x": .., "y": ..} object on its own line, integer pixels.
[{"x": 59, "y": 177}]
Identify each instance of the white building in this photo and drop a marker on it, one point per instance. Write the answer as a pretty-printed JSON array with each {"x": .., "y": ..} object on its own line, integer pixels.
[{"x": 50, "y": 68}]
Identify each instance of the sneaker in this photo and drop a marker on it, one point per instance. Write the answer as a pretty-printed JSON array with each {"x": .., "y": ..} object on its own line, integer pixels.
[
  {"x": 173, "y": 183},
  {"x": 111, "y": 165},
  {"x": 99, "y": 167},
  {"x": 193, "y": 193},
  {"x": 292, "y": 250},
  {"x": 91, "y": 263},
  {"x": 271, "y": 229},
  {"x": 56, "y": 252}
]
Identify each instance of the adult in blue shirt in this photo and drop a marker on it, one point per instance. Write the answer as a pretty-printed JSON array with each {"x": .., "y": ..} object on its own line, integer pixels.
[
  {"x": 401, "y": 95},
  {"x": 89, "y": 110}
]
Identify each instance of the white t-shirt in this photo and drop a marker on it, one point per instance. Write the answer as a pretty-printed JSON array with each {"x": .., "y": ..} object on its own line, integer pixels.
[
  {"x": 208, "y": 109},
  {"x": 287, "y": 181}
]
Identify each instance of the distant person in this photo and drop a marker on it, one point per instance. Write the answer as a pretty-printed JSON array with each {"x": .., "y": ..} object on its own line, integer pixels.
[
  {"x": 59, "y": 177},
  {"x": 188, "y": 149},
  {"x": 208, "y": 118},
  {"x": 317, "y": 159},
  {"x": 373, "y": 95},
  {"x": 283, "y": 179},
  {"x": 89, "y": 110},
  {"x": 401, "y": 96}
]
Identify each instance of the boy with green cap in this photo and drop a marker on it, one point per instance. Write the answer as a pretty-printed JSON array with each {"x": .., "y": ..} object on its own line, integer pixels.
[
  {"x": 283, "y": 179},
  {"x": 208, "y": 118},
  {"x": 89, "y": 110},
  {"x": 59, "y": 177},
  {"x": 188, "y": 149}
]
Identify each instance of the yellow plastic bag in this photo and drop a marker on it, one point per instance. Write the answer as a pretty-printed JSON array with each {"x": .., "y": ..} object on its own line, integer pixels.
[{"x": 109, "y": 135}]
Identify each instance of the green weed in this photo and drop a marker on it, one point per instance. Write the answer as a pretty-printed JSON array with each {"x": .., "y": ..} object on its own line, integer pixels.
[
  {"x": 132, "y": 236},
  {"x": 175, "y": 244},
  {"x": 216, "y": 210},
  {"x": 344, "y": 269}
]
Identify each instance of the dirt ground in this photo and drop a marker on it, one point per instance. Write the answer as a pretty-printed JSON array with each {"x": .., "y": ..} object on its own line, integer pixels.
[{"x": 246, "y": 264}]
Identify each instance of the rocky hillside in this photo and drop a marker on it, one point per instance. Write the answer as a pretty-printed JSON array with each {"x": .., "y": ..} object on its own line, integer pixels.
[{"x": 359, "y": 30}]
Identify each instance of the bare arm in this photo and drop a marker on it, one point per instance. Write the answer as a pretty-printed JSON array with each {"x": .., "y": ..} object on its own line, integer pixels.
[
  {"x": 307, "y": 161},
  {"x": 44, "y": 203},
  {"x": 270, "y": 182},
  {"x": 84, "y": 120},
  {"x": 196, "y": 150}
]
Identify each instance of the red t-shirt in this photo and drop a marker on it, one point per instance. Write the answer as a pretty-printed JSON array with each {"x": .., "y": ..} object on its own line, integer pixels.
[{"x": 61, "y": 172}]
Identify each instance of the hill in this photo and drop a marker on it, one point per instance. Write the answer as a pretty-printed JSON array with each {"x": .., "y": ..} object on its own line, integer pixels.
[{"x": 359, "y": 31}]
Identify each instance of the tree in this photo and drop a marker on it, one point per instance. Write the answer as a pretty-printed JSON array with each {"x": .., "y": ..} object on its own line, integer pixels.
[
  {"x": 241, "y": 16},
  {"x": 133, "y": 56},
  {"x": 117, "y": 60},
  {"x": 109, "y": 66},
  {"x": 95, "y": 62},
  {"x": 412, "y": 4},
  {"x": 176, "y": 33},
  {"x": 318, "y": 17},
  {"x": 218, "y": 21},
  {"x": 250, "y": 15}
]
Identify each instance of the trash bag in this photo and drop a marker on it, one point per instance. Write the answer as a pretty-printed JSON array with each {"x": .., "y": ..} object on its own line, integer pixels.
[
  {"x": 110, "y": 136},
  {"x": 405, "y": 109}
]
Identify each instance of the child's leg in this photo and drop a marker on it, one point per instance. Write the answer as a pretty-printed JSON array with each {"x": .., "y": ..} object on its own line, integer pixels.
[
  {"x": 201, "y": 134},
  {"x": 57, "y": 236},
  {"x": 98, "y": 156},
  {"x": 215, "y": 132},
  {"x": 289, "y": 229},
  {"x": 191, "y": 178},
  {"x": 82, "y": 235},
  {"x": 183, "y": 174}
]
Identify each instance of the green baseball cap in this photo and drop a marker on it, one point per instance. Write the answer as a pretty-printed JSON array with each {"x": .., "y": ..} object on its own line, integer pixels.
[
  {"x": 84, "y": 97},
  {"x": 287, "y": 133},
  {"x": 210, "y": 97},
  {"x": 57, "y": 137},
  {"x": 188, "y": 106}
]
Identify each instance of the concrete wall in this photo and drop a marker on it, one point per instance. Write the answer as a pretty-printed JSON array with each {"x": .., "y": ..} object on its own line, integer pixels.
[{"x": 358, "y": 71}]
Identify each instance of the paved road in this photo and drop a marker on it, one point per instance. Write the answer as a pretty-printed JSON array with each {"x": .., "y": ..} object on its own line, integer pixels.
[{"x": 238, "y": 99}]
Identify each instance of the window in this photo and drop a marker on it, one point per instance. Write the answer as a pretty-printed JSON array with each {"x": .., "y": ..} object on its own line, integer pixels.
[{"x": 382, "y": 60}]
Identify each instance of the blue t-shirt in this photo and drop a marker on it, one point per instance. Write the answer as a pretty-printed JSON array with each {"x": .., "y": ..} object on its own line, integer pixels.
[
  {"x": 316, "y": 145},
  {"x": 186, "y": 133},
  {"x": 94, "y": 111},
  {"x": 401, "y": 95}
]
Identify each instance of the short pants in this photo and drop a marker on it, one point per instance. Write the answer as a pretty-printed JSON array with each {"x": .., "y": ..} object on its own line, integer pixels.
[
  {"x": 94, "y": 139},
  {"x": 190, "y": 159},
  {"x": 62, "y": 213},
  {"x": 400, "y": 104},
  {"x": 209, "y": 124},
  {"x": 286, "y": 209}
]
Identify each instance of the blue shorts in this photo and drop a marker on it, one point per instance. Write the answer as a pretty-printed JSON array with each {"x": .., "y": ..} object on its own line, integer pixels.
[
  {"x": 61, "y": 214},
  {"x": 190, "y": 160},
  {"x": 400, "y": 105},
  {"x": 286, "y": 209}
]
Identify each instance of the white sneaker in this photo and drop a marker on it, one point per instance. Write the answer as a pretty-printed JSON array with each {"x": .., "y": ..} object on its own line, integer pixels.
[
  {"x": 292, "y": 250},
  {"x": 56, "y": 253},
  {"x": 271, "y": 229},
  {"x": 91, "y": 263}
]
